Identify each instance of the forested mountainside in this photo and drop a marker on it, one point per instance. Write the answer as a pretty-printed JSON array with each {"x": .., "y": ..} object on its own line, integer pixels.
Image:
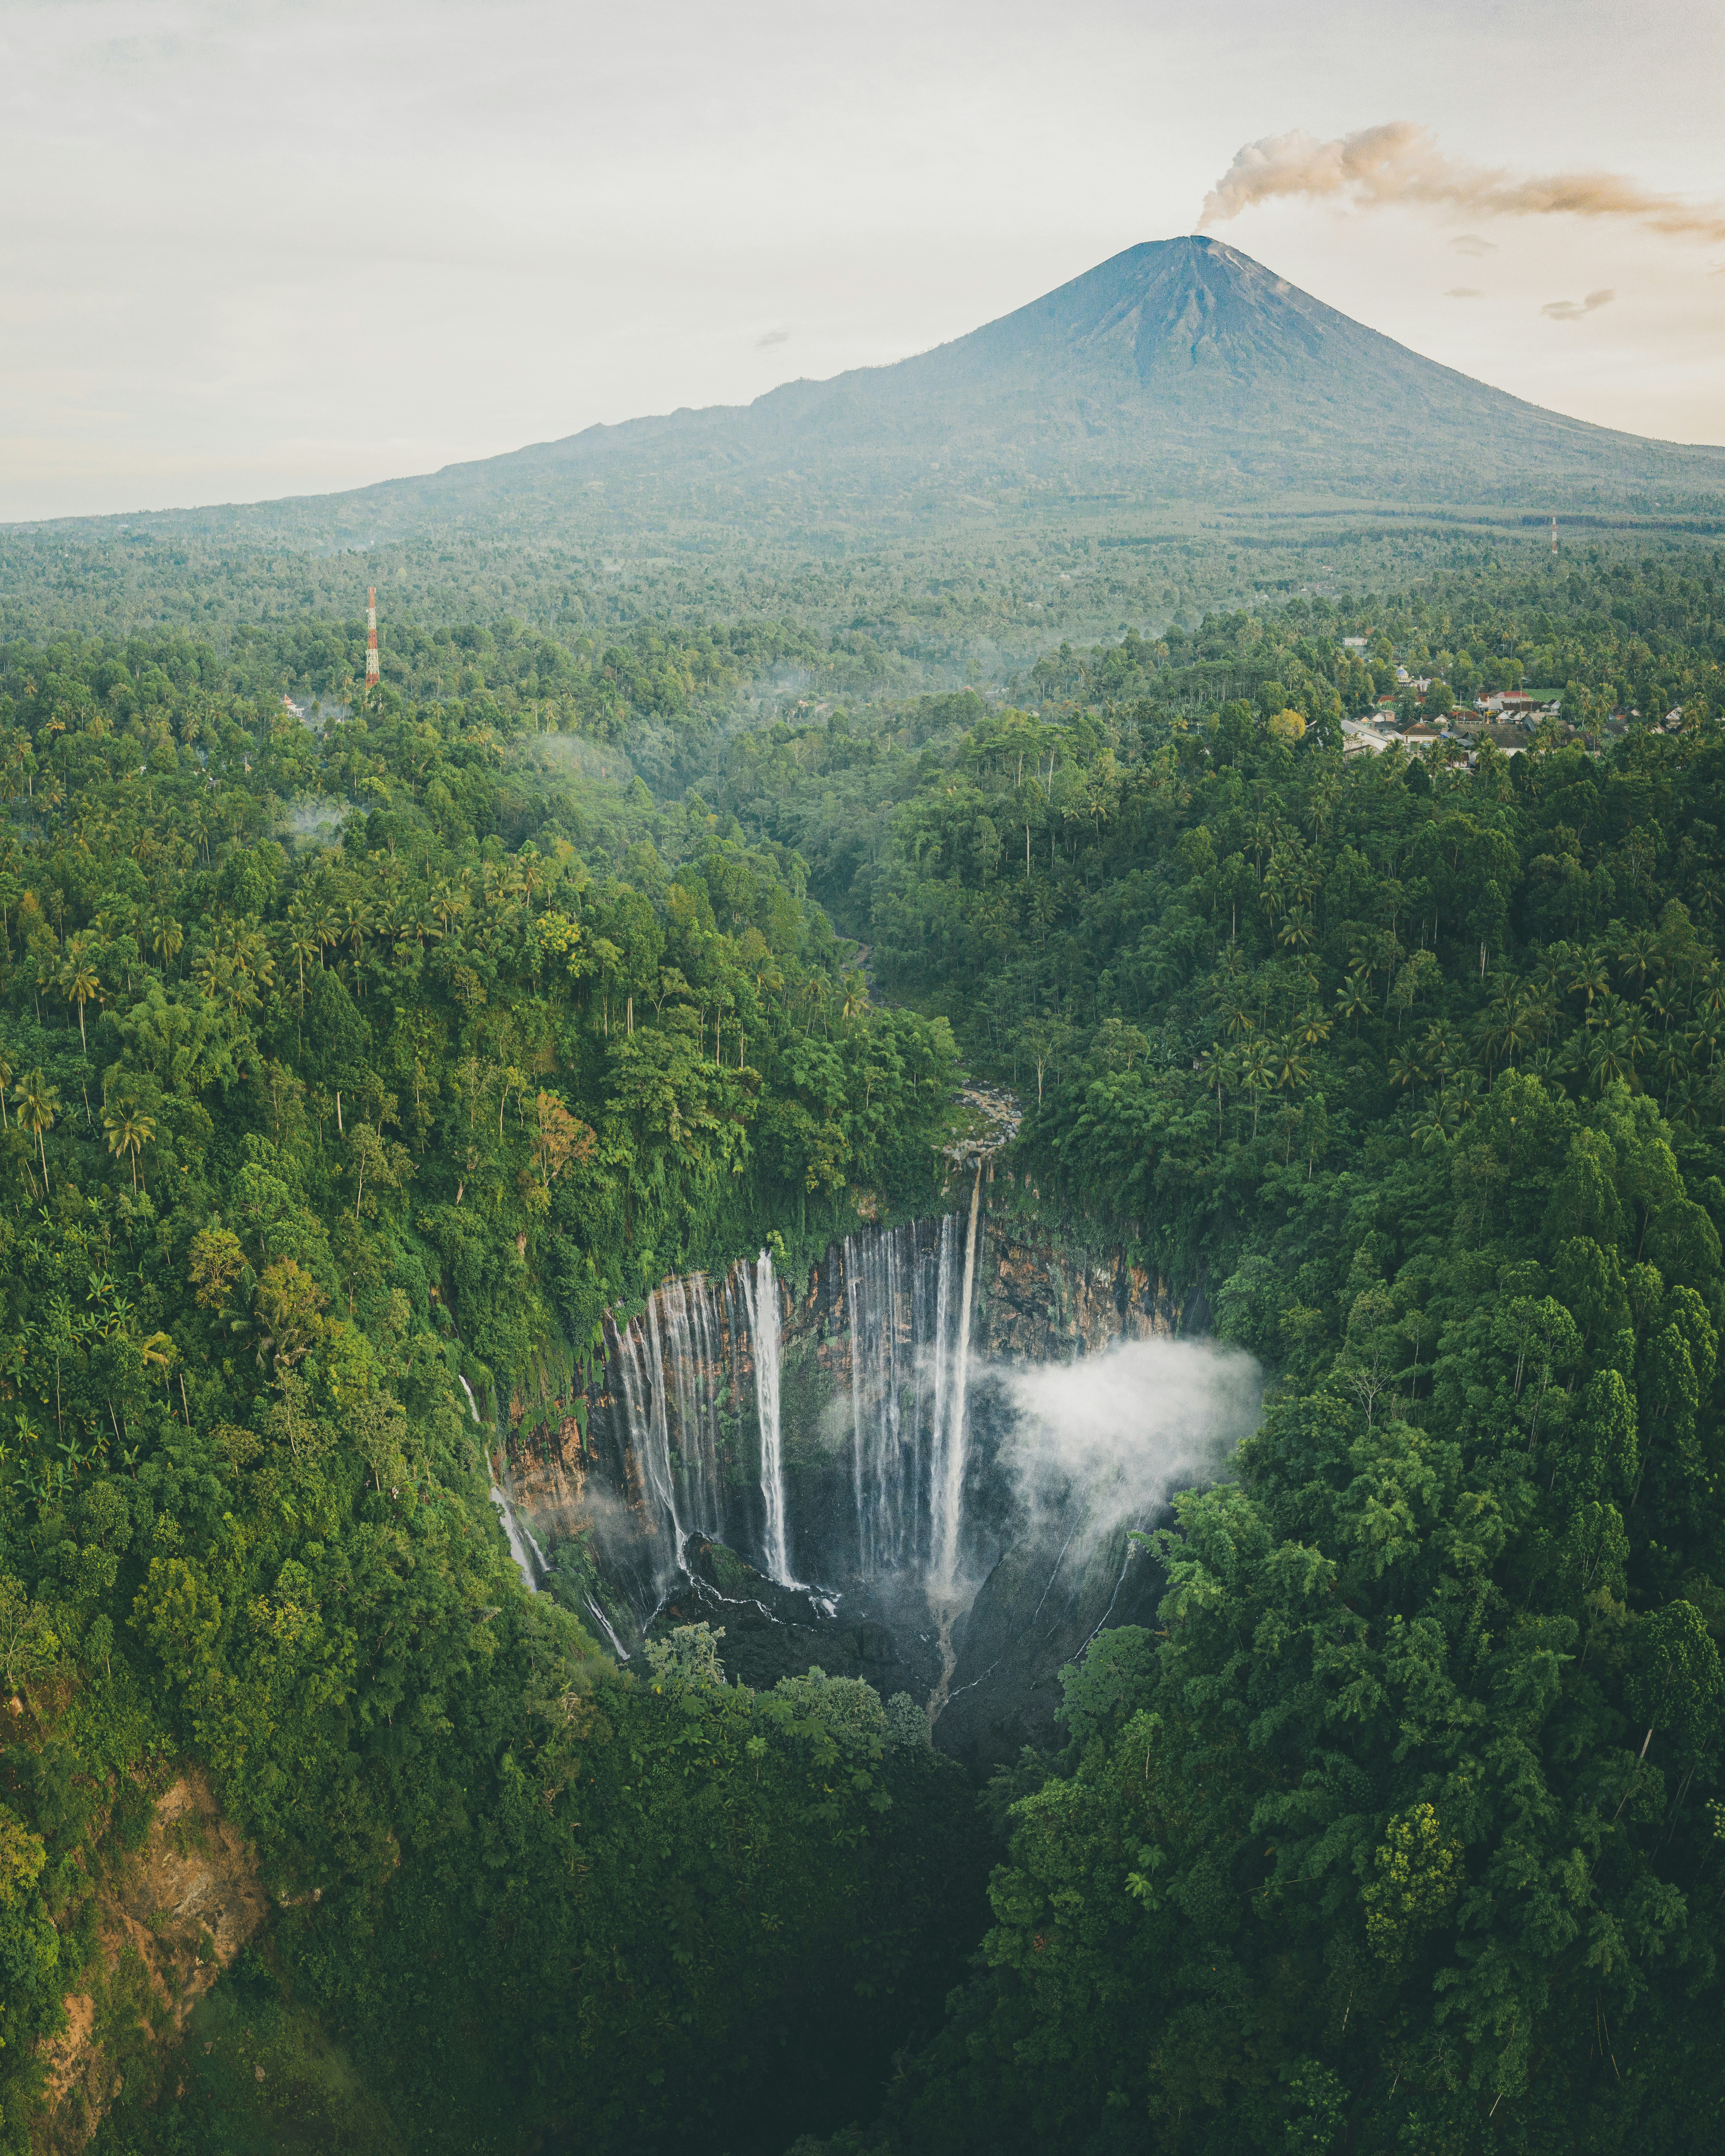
[
  {"x": 297, "y": 1140},
  {"x": 1403, "y": 1828},
  {"x": 343, "y": 1066}
]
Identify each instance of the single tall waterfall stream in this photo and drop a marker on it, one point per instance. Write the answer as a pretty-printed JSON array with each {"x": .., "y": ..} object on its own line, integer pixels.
[
  {"x": 760, "y": 1290},
  {"x": 518, "y": 1539}
]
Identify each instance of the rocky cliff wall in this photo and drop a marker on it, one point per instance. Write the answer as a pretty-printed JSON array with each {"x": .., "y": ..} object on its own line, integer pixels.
[{"x": 170, "y": 1917}]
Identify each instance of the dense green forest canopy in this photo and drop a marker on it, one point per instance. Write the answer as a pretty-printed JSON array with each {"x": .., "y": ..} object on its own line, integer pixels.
[
  {"x": 298, "y": 1133},
  {"x": 941, "y": 603},
  {"x": 345, "y": 1060},
  {"x": 1403, "y": 1830}
]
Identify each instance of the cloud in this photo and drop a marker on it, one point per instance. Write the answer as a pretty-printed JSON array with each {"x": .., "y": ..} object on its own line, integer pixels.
[
  {"x": 1463, "y": 292},
  {"x": 1572, "y": 310},
  {"x": 1469, "y": 243},
  {"x": 771, "y": 337},
  {"x": 1401, "y": 163}
]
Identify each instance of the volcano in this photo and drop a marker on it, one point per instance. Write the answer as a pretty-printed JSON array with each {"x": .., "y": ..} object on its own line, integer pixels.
[
  {"x": 1180, "y": 368},
  {"x": 1181, "y": 371}
]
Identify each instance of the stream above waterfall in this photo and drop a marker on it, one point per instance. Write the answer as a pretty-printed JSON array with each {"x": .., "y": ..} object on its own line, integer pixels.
[{"x": 921, "y": 1464}]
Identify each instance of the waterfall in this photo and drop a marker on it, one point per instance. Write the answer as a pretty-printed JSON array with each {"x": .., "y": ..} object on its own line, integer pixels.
[
  {"x": 951, "y": 1487},
  {"x": 908, "y": 1297},
  {"x": 674, "y": 1364},
  {"x": 641, "y": 1374},
  {"x": 609, "y": 1630},
  {"x": 760, "y": 1292},
  {"x": 517, "y": 1547},
  {"x": 511, "y": 1526}
]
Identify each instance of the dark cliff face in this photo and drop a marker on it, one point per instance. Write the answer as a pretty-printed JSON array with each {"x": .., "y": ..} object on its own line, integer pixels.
[
  {"x": 577, "y": 1472},
  {"x": 1041, "y": 1298}
]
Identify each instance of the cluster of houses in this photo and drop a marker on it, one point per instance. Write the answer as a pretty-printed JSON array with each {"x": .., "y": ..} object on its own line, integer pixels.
[{"x": 1507, "y": 718}]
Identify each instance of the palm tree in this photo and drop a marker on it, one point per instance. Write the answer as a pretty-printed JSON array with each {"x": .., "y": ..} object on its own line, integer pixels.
[
  {"x": 1590, "y": 977},
  {"x": 167, "y": 938},
  {"x": 5, "y": 1080},
  {"x": 79, "y": 977},
  {"x": 302, "y": 944},
  {"x": 1292, "y": 1071},
  {"x": 129, "y": 1132},
  {"x": 1609, "y": 1057},
  {"x": 1257, "y": 1073},
  {"x": 1520, "y": 1026},
  {"x": 448, "y": 902},
  {"x": 1637, "y": 1040},
  {"x": 1639, "y": 954},
  {"x": 37, "y": 1104},
  {"x": 356, "y": 925}
]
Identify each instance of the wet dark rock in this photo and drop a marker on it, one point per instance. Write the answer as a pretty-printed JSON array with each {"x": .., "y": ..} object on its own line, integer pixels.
[
  {"x": 1033, "y": 1616},
  {"x": 774, "y": 1631}
]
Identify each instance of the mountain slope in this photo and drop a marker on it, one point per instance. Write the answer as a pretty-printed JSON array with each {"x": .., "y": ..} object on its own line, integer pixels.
[{"x": 1180, "y": 370}]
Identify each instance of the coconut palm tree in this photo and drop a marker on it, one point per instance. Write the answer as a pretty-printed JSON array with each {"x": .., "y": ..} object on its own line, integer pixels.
[
  {"x": 1590, "y": 978},
  {"x": 129, "y": 1132},
  {"x": 79, "y": 977},
  {"x": 38, "y": 1105},
  {"x": 1353, "y": 1003},
  {"x": 356, "y": 925},
  {"x": 302, "y": 943},
  {"x": 166, "y": 937},
  {"x": 1638, "y": 954}
]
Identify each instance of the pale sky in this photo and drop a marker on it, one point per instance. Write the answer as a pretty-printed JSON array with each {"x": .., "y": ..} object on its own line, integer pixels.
[{"x": 250, "y": 247}]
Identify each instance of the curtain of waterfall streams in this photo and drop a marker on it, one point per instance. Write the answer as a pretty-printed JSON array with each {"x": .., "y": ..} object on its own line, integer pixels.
[
  {"x": 675, "y": 1363},
  {"x": 908, "y": 1293},
  {"x": 908, "y": 1303},
  {"x": 842, "y": 1438}
]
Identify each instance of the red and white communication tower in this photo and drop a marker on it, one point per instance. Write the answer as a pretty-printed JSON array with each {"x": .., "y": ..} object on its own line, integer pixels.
[{"x": 373, "y": 676}]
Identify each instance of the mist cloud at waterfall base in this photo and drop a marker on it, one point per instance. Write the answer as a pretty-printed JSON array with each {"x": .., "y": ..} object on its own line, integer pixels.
[
  {"x": 1069, "y": 1457},
  {"x": 1103, "y": 1442}
]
